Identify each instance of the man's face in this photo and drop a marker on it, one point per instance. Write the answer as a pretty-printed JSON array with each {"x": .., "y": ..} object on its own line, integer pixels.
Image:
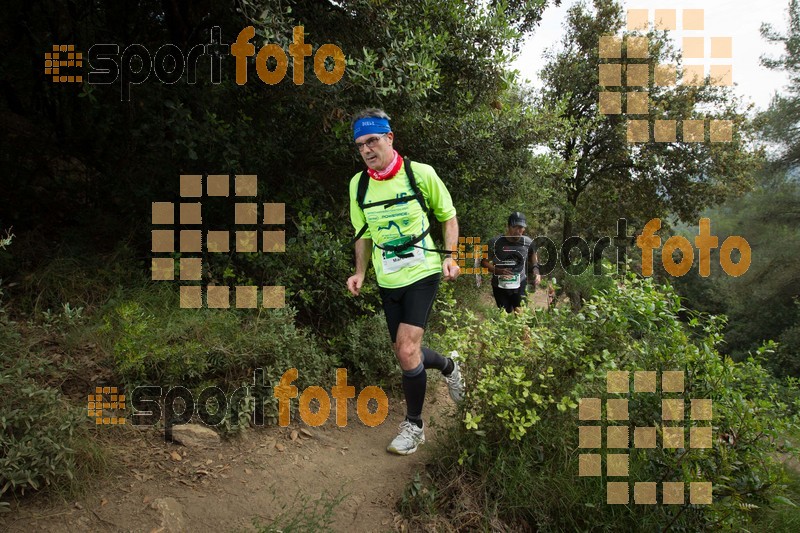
[
  {"x": 378, "y": 153},
  {"x": 515, "y": 231}
]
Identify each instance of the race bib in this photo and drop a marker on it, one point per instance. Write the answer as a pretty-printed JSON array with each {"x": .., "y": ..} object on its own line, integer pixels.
[
  {"x": 512, "y": 281},
  {"x": 508, "y": 281},
  {"x": 393, "y": 262}
]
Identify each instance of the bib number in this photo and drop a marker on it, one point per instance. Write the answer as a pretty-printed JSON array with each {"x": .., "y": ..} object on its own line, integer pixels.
[
  {"x": 508, "y": 281},
  {"x": 392, "y": 262},
  {"x": 512, "y": 281}
]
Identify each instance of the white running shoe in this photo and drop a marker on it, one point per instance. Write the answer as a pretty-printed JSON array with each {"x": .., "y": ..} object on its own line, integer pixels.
[
  {"x": 407, "y": 441},
  {"x": 455, "y": 381}
]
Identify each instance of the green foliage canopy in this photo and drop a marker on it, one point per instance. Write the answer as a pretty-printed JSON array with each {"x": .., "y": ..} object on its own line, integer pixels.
[{"x": 601, "y": 176}]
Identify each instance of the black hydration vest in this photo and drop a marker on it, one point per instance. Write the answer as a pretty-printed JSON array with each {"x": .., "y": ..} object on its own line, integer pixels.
[{"x": 363, "y": 184}]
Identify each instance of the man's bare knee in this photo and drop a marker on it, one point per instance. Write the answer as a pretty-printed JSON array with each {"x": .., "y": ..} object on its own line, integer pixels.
[
  {"x": 408, "y": 354},
  {"x": 408, "y": 346}
]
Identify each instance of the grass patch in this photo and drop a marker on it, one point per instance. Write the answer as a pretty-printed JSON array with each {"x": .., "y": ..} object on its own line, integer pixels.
[
  {"x": 303, "y": 516},
  {"x": 780, "y": 516},
  {"x": 66, "y": 274},
  {"x": 783, "y": 515}
]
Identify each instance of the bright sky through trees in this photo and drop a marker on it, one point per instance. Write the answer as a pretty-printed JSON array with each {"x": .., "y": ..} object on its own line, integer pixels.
[{"x": 739, "y": 19}]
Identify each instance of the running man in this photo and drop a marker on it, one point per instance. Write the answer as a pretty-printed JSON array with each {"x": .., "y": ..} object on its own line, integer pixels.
[
  {"x": 389, "y": 206},
  {"x": 509, "y": 258}
]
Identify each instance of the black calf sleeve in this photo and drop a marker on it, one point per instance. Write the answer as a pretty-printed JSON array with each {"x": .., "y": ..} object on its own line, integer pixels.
[
  {"x": 435, "y": 360},
  {"x": 414, "y": 384}
]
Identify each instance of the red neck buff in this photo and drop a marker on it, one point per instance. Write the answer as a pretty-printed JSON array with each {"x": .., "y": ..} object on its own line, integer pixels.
[{"x": 390, "y": 171}]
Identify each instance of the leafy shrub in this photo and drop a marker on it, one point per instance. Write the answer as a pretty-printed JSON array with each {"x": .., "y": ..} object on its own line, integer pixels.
[
  {"x": 580, "y": 287},
  {"x": 73, "y": 272},
  {"x": 152, "y": 341},
  {"x": 43, "y": 440},
  {"x": 171, "y": 346},
  {"x": 317, "y": 262},
  {"x": 786, "y": 361},
  {"x": 526, "y": 373},
  {"x": 781, "y": 517},
  {"x": 38, "y": 433},
  {"x": 365, "y": 348}
]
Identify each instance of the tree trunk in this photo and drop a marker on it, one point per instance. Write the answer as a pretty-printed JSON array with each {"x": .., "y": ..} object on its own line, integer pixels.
[
  {"x": 567, "y": 232},
  {"x": 569, "y": 213}
]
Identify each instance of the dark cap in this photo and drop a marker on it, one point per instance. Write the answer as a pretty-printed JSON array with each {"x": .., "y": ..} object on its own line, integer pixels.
[{"x": 517, "y": 219}]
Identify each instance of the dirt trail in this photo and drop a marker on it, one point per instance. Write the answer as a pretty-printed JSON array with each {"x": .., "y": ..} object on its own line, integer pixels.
[
  {"x": 260, "y": 475},
  {"x": 257, "y": 476}
]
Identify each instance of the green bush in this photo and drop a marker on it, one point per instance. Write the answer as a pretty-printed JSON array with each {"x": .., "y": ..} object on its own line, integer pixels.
[
  {"x": 38, "y": 433},
  {"x": 786, "y": 361},
  {"x": 73, "y": 272},
  {"x": 314, "y": 268},
  {"x": 581, "y": 287},
  {"x": 36, "y": 427},
  {"x": 44, "y": 441},
  {"x": 38, "y": 430},
  {"x": 151, "y": 341},
  {"x": 169, "y": 346},
  {"x": 526, "y": 373},
  {"x": 781, "y": 517},
  {"x": 366, "y": 349}
]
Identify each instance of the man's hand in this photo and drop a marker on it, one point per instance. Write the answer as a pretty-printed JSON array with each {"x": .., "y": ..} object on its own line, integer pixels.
[
  {"x": 354, "y": 283},
  {"x": 502, "y": 271},
  {"x": 537, "y": 280},
  {"x": 450, "y": 269}
]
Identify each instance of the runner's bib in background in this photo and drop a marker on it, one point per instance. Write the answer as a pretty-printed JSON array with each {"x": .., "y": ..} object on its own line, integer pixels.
[
  {"x": 510, "y": 253},
  {"x": 509, "y": 281}
]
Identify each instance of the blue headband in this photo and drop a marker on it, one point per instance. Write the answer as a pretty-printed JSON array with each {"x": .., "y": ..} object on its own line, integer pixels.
[{"x": 364, "y": 126}]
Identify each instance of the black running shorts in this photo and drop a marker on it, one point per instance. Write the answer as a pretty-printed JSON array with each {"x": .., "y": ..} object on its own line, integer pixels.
[
  {"x": 410, "y": 304},
  {"x": 509, "y": 299}
]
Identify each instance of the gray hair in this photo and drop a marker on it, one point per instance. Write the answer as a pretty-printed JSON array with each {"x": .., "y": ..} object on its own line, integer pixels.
[{"x": 370, "y": 112}]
